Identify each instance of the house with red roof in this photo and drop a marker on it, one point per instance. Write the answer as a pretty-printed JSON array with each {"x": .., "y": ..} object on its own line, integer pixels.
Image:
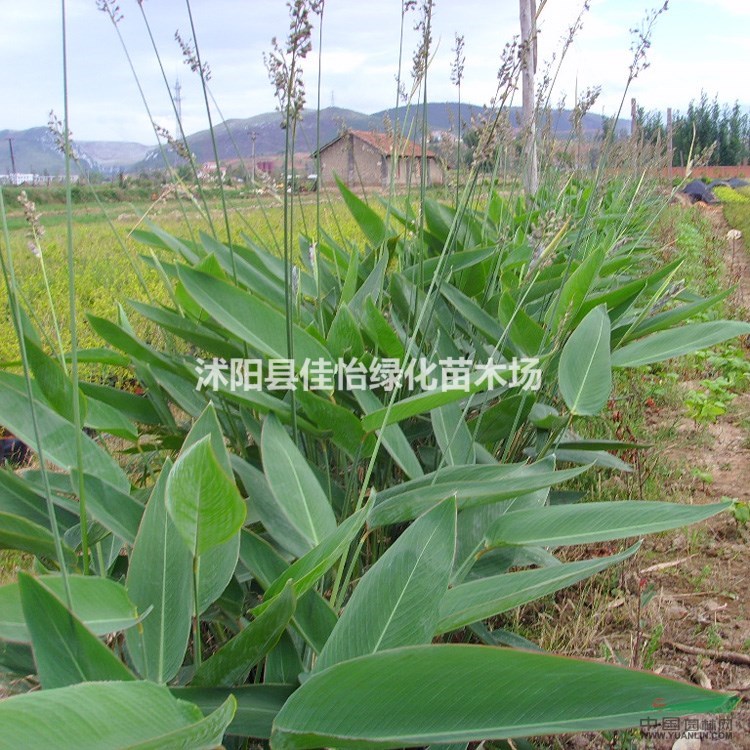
[{"x": 368, "y": 159}]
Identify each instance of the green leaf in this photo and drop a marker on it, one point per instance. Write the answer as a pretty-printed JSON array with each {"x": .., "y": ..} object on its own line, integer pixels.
[
  {"x": 109, "y": 716},
  {"x": 102, "y": 605},
  {"x": 393, "y": 439},
  {"x": 26, "y": 536},
  {"x": 257, "y": 705},
  {"x": 218, "y": 564},
  {"x": 369, "y": 222},
  {"x": 217, "y": 567},
  {"x": 471, "y": 485},
  {"x": 488, "y": 597},
  {"x": 53, "y": 382},
  {"x": 262, "y": 504},
  {"x": 396, "y": 602},
  {"x": 306, "y": 571},
  {"x": 314, "y": 618},
  {"x": 160, "y": 576},
  {"x": 585, "y": 372},
  {"x": 440, "y": 694},
  {"x": 419, "y": 403},
  {"x": 114, "y": 509},
  {"x": 249, "y": 318},
  {"x": 339, "y": 422},
  {"x": 202, "y": 500},
  {"x": 563, "y": 525},
  {"x": 344, "y": 338},
  {"x": 232, "y": 662},
  {"x": 575, "y": 289},
  {"x": 65, "y": 651},
  {"x": 299, "y": 496},
  {"x": 453, "y": 435},
  {"x": 678, "y": 341},
  {"x": 58, "y": 434}
]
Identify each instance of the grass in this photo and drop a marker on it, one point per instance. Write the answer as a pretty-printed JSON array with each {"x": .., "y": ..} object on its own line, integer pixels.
[{"x": 104, "y": 274}]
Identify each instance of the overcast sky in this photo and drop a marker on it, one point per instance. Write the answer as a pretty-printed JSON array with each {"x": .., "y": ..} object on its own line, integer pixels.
[{"x": 697, "y": 45}]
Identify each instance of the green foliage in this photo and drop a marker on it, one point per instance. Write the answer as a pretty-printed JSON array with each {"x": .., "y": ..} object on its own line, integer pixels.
[{"x": 297, "y": 553}]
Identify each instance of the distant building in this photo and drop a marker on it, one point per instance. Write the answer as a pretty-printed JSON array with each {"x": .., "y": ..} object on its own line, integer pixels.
[{"x": 360, "y": 157}]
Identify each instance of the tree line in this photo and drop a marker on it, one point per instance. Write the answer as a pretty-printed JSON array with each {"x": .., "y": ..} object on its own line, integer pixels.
[{"x": 723, "y": 131}]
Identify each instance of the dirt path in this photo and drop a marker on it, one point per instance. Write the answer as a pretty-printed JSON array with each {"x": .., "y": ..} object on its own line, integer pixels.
[{"x": 702, "y": 576}]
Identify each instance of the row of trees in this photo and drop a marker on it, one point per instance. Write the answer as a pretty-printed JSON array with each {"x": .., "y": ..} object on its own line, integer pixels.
[{"x": 723, "y": 130}]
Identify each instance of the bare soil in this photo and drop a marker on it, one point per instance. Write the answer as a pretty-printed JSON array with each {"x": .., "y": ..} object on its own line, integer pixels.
[{"x": 696, "y": 627}]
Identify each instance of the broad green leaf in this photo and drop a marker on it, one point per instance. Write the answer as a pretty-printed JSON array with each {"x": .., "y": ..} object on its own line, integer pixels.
[
  {"x": 442, "y": 694},
  {"x": 380, "y": 331},
  {"x": 273, "y": 515},
  {"x": 283, "y": 663},
  {"x": 313, "y": 619},
  {"x": 114, "y": 509},
  {"x": 372, "y": 286},
  {"x": 300, "y": 497},
  {"x": 58, "y": 434},
  {"x": 202, "y": 501},
  {"x": 419, "y": 403},
  {"x": 563, "y": 525},
  {"x": 677, "y": 341},
  {"x": 369, "y": 222},
  {"x": 502, "y": 419},
  {"x": 306, "y": 571},
  {"x": 396, "y": 602},
  {"x": 473, "y": 524},
  {"x": 207, "y": 424},
  {"x": 585, "y": 372},
  {"x": 471, "y": 485},
  {"x": 487, "y": 597},
  {"x": 53, "y": 382},
  {"x": 217, "y": 567},
  {"x": 575, "y": 289},
  {"x": 257, "y": 705},
  {"x": 670, "y": 318},
  {"x": 453, "y": 263},
  {"x": 218, "y": 564},
  {"x": 344, "y": 338},
  {"x": 393, "y": 439},
  {"x": 453, "y": 435},
  {"x": 109, "y": 716},
  {"x": 474, "y": 314},
  {"x": 249, "y": 318},
  {"x": 104, "y": 418},
  {"x": 160, "y": 576},
  {"x": 524, "y": 332},
  {"x": 101, "y": 604},
  {"x": 65, "y": 651},
  {"x": 341, "y": 424},
  {"x": 232, "y": 662},
  {"x": 19, "y": 534},
  {"x": 19, "y": 498}
]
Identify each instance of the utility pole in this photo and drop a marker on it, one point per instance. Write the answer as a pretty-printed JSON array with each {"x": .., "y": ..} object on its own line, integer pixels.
[
  {"x": 12, "y": 161},
  {"x": 253, "y": 136},
  {"x": 669, "y": 144},
  {"x": 528, "y": 68},
  {"x": 178, "y": 109}
]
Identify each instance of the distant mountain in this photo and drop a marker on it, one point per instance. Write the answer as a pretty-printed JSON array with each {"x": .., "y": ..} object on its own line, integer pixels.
[
  {"x": 113, "y": 155},
  {"x": 36, "y": 152},
  {"x": 35, "y": 149},
  {"x": 234, "y": 138}
]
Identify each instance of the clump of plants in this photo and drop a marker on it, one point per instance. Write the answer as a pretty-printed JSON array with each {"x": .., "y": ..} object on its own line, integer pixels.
[{"x": 221, "y": 558}]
